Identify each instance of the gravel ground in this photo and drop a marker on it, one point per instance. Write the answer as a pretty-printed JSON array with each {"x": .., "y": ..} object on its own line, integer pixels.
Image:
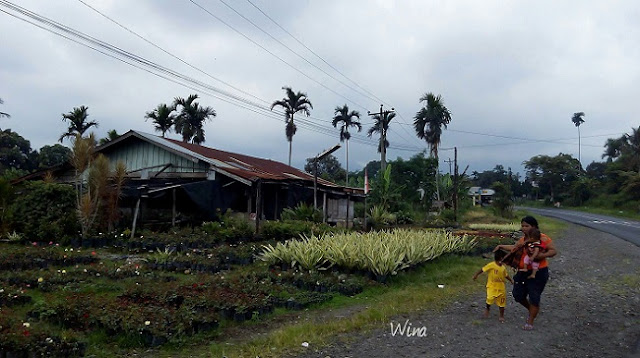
[{"x": 590, "y": 308}]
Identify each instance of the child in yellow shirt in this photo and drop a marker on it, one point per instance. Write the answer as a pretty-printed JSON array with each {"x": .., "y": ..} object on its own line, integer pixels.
[{"x": 496, "y": 290}]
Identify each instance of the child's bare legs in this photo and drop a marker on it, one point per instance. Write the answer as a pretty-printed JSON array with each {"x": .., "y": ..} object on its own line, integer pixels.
[
  {"x": 534, "y": 266},
  {"x": 501, "y": 318},
  {"x": 486, "y": 312}
]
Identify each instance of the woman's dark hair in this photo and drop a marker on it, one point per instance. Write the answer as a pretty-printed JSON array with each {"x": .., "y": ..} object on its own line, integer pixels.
[{"x": 530, "y": 220}]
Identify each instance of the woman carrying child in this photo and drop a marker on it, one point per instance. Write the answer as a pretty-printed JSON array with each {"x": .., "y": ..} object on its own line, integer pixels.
[{"x": 527, "y": 291}]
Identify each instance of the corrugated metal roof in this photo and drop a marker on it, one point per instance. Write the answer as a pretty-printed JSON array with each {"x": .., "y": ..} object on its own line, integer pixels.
[
  {"x": 236, "y": 164},
  {"x": 246, "y": 166}
]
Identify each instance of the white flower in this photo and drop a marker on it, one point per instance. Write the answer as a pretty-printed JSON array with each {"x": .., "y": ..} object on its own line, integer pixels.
[
  {"x": 146, "y": 323},
  {"x": 26, "y": 324},
  {"x": 49, "y": 340},
  {"x": 98, "y": 274},
  {"x": 64, "y": 272},
  {"x": 118, "y": 269}
]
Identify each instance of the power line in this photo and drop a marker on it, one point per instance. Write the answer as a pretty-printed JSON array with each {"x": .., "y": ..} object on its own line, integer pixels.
[
  {"x": 137, "y": 62},
  {"x": 294, "y": 52},
  {"x": 274, "y": 55},
  {"x": 310, "y": 50},
  {"x": 169, "y": 53}
]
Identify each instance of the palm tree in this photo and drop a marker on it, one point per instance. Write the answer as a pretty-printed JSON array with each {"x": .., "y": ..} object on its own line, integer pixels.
[
  {"x": 343, "y": 115},
  {"x": 111, "y": 135},
  {"x": 191, "y": 118},
  {"x": 577, "y": 121},
  {"x": 2, "y": 114},
  {"x": 633, "y": 145},
  {"x": 429, "y": 121},
  {"x": 613, "y": 148},
  {"x": 77, "y": 122},
  {"x": 163, "y": 118},
  {"x": 382, "y": 122},
  {"x": 292, "y": 104},
  {"x": 428, "y": 124}
]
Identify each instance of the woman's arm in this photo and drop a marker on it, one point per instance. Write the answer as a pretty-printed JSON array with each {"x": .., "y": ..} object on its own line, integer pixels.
[
  {"x": 551, "y": 251},
  {"x": 509, "y": 248}
]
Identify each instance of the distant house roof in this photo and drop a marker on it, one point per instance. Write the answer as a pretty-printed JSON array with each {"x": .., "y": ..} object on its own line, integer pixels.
[{"x": 243, "y": 166}]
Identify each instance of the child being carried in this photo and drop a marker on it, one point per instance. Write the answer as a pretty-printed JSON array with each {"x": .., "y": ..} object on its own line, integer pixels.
[{"x": 534, "y": 246}]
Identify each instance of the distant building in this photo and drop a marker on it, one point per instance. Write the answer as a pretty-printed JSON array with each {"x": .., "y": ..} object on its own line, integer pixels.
[{"x": 481, "y": 196}]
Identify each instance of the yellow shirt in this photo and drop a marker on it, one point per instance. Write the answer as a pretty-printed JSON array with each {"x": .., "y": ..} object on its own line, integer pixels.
[{"x": 497, "y": 275}]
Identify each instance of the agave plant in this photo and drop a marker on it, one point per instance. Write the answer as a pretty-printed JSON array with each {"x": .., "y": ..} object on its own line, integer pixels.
[{"x": 382, "y": 253}]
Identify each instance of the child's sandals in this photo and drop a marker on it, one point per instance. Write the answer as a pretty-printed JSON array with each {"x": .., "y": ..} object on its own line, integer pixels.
[{"x": 527, "y": 327}]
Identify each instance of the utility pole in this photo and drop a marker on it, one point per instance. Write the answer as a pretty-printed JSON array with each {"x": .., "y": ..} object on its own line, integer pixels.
[
  {"x": 449, "y": 161},
  {"x": 455, "y": 183},
  {"x": 383, "y": 136}
]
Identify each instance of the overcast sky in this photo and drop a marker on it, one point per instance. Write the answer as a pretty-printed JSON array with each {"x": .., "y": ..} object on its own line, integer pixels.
[{"x": 512, "y": 73}]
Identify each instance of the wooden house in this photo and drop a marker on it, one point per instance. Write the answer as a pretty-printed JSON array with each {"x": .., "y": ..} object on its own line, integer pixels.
[{"x": 168, "y": 178}]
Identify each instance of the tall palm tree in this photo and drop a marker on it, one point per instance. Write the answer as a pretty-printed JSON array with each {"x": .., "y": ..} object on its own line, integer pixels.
[
  {"x": 428, "y": 124},
  {"x": 343, "y": 115},
  {"x": 78, "y": 123},
  {"x": 2, "y": 114},
  {"x": 191, "y": 118},
  {"x": 633, "y": 145},
  {"x": 577, "y": 121},
  {"x": 429, "y": 121},
  {"x": 613, "y": 148},
  {"x": 292, "y": 104},
  {"x": 163, "y": 118},
  {"x": 382, "y": 122}
]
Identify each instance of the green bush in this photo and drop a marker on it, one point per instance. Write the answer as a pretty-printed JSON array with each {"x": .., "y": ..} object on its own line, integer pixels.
[
  {"x": 288, "y": 229},
  {"x": 45, "y": 211},
  {"x": 231, "y": 228},
  {"x": 302, "y": 212}
]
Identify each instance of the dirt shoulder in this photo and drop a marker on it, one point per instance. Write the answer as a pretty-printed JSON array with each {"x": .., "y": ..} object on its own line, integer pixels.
[{"x": 590, "y": 308}]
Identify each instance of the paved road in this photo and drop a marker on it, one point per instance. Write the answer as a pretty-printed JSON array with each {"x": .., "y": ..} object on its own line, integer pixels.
[{"x": 623, "y": 228}]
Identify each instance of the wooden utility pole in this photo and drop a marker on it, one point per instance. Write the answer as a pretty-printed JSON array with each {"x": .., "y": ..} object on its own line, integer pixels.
[
  {"x": 449, "y": 161},
  {"x": 383, "y": 135},
  {"x": 455, "y": 183}
]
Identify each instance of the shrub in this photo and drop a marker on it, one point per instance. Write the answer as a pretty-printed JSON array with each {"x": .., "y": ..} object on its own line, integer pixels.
[
  {"x": 302, "y": 212},
  {"x": 45, "y": 211},
  {"x": 284, "y": 230},
  {"x": 230, "y": 228}
]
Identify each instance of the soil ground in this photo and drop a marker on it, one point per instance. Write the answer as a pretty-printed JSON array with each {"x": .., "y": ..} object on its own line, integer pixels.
[{"x": 590, "y": 308}]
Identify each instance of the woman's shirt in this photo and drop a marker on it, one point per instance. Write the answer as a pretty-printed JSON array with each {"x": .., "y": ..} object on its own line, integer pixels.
[{"x": 543, "y": 263}]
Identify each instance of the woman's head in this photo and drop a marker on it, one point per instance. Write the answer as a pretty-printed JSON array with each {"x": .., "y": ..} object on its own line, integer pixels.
[{"x": 527, "y": 223}]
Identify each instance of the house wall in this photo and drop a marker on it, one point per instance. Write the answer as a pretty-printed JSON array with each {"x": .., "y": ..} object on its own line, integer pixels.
[
  {"x": 337, "y": 210},
  {"x": 140, "y": 155}
]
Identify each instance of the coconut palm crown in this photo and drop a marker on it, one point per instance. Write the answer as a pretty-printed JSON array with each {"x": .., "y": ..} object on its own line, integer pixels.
[
  {"x": 292, "y": 104},
  {"x": 430, "y": 120},
  {"x": 190, "y": 119},
  {"x": 78, "y": 123},
  {"x": 163, "y": 118},
  {"x": 348, "y": 119}
]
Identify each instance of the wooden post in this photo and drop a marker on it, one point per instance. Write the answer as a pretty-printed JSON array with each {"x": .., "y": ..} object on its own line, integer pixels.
[
  {"x": 275, "y": 211},
  {"x": 173, "y": 213},
  {"x": 258, "y": 204},
  {"x": 135, "y": 218},
  {"x": 364, "y": 222},
  {"x": 324, "y": 208},
  {"x": 347, "y": 218}
]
